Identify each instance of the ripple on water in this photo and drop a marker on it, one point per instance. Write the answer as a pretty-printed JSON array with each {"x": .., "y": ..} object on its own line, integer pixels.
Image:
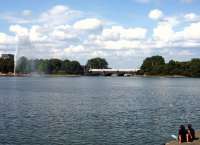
[{"x": 96, "y": 110}]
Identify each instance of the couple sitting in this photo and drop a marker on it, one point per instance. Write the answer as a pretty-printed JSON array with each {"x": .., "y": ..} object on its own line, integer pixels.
[{"x": 186, "y": 135}]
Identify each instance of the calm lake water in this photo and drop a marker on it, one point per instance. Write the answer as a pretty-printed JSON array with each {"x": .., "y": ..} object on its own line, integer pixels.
[{"x": 96, "y": 110}]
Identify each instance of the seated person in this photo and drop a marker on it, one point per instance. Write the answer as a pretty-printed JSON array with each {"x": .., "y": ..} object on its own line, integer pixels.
[
  {"x": 182, "y": 134},
  {"x": 190, "y": 133}
]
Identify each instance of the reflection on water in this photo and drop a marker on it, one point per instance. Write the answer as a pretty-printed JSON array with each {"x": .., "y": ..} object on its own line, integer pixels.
[{"x": 95, "y": 110}]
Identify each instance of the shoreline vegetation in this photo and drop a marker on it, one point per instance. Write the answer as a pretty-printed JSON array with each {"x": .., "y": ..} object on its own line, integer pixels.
[
  {"x": 69, "y": 75},
  {"x": 77, "y": 75},
  {"x": 157, "y": 66},
  {"x": 154, "y": 66},
  {"x": 32, "y": 75}
]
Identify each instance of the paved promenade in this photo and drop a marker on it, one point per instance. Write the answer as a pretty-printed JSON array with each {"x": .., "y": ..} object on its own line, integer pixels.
[{"x": 196, "y": 142}]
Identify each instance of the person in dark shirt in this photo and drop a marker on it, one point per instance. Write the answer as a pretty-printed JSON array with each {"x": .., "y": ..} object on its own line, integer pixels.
[
  {"x": 190, "y": 133},
  {"x": 182, "y": 134}
]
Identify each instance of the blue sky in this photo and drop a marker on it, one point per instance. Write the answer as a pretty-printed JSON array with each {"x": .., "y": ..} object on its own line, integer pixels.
[
  {"x": 125, "y": 12},
  {"x": 122, "y": 31}
]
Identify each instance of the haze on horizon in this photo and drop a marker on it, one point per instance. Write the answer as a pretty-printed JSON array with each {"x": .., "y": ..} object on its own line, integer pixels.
[{"x": 123, "y": 32}]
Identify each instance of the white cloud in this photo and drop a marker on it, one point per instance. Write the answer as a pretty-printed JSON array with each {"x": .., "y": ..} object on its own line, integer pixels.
[
  {"x": 98, "y": 53},
  {"x": 59, "y": 9},
  {"x": 64, "y": 32},
  {"x": 3, "y": 38},
  {"x": 173, "y": 21},
  {"x": 155, "y": 14},
  {"x": 6, "y": 39},
  {"x": 57, "y": 15},
  {"x": 122, "y": 44},
  {"x": 36, "y": 35},
  {"x": 88, "y": 24},
  {"x": 27, "y": 13},
  {"x": 185, "y": 53},
  {"x": 58, "y": 34},
  {"x": 163, "y": 32},
  {"x": 76, "y": 49},
  {"x": 191, "y": 17},
  {"x": 112, "y": 33},
  {"x": 16, "y": 19},
  {"x": 119, "y": 32},
  {"x": 192, "y": 32},
  {"x": 19, "y": 30}
]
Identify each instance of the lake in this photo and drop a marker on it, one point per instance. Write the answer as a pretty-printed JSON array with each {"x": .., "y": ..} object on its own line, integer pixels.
[{"x": 96, "y": 110}]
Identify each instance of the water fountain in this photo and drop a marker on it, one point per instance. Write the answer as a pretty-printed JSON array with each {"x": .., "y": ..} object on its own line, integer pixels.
[
  {"x": 15, "y": 59},
  {"x": 22, "y": 57}
]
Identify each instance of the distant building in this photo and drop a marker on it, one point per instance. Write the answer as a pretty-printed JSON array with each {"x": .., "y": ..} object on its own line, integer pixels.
[{"x": 7, "y": 56}]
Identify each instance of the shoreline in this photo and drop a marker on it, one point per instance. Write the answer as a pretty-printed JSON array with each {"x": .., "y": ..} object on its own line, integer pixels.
[
  {"x": 32, "y": 75},
  {"x": 195, "y": 142},
  {"x": 73, "y": 75}
]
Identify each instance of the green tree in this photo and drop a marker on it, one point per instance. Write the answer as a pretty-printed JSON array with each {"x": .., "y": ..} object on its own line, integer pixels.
[
  {"x": 23, "y": 65},
  {"x": 194, "y": 67},
  {"x": 97, "y": 63},
  {"x": 54, "y": 66},
  {"x": 72, "y": 67},
  {"x": 169, "y": 67},
  {"x": 41, "y": 66},
  {"x": 65, "y": 65},
  {"x": 153, "y": 65}
]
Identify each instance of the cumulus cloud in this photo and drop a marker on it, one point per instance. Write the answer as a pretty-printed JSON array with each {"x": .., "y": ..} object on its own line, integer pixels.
[
  {"x": 163, "y": 32},
  {"x": 88, "y": 24},
  {"x": 76, "y": 49},
  {"x": 192, "y": 32},
  {"x": 19, "y": 30},
  {"x": 35, "y": 34},
  {"x": 67, "y": 33},
  {"x": 155, "y": 14},
  {"x": 6, "y": 39},
  {"x": 13, "y": 19},
  {"x": 59, "y": 14},
  {"x": 185, "y": 53},
  {"x": 119, "y": 32},
  {"x": 192, "y": 17}
]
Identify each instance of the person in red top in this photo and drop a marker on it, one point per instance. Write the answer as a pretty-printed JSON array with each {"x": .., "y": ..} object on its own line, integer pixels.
[
  {"x": 182, "y": 134},
  {"x": 190, "y": 133}
]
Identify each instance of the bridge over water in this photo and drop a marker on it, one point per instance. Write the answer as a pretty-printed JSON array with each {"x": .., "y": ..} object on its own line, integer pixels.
[{"x": 110, "y": 72}]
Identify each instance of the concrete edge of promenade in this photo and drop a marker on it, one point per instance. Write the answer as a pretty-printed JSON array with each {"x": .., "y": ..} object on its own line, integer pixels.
[{"x": 195, "y": 142}]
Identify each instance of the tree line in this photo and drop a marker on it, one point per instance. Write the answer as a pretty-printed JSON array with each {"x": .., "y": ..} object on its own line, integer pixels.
[
  {"x": 58, "y": 66},
  {"x": 156, "y": 65}
]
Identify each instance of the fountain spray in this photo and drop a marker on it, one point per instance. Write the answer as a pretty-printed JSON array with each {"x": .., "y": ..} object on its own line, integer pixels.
[{"x": 15, "y": 59}]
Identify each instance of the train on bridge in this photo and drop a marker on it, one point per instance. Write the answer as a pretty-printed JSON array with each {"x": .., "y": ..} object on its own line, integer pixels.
[{"x": 113, "y": 72}]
